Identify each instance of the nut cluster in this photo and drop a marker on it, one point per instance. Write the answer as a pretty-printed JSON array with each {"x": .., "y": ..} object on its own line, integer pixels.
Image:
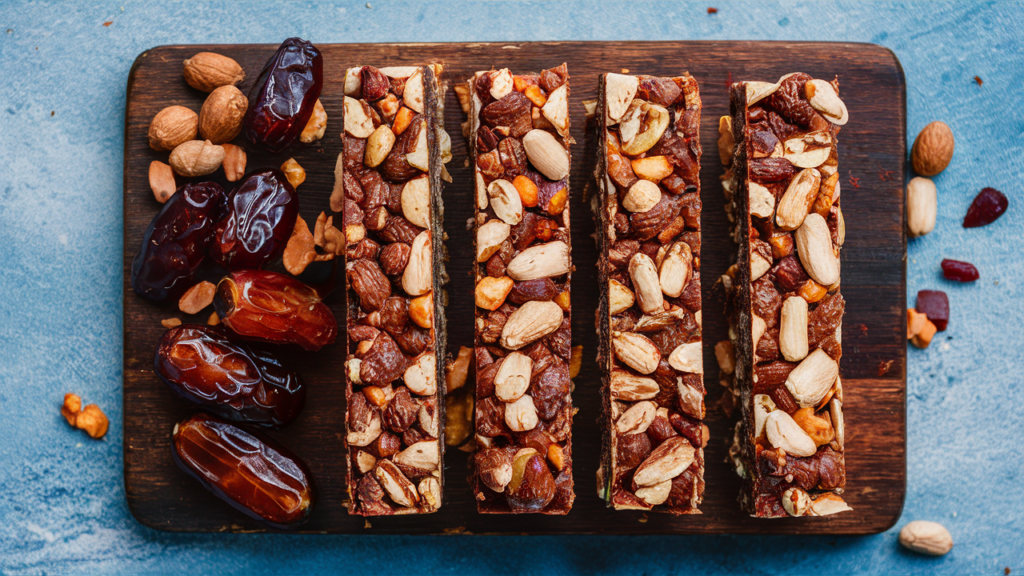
[
  {"x": 519, "y": 130},
  {"x": 779, "y": 146},
  {"x": 650, "y": 320},
  {"x": 392, "y": 145}
]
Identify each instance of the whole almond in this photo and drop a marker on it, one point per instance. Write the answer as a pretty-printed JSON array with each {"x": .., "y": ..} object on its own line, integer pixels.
[
  {"x": 208, "y": 71},
  {"x": 531, "y": 322},
  {"x": 196, "y": 158},
  {"x": 667, "y": 461},
  {"x": 636, "y": 351},
  {"x": 933, "y": 149},
  {"x": 172, "y": 126},
  {"x": 814, "y": 246},
  {"x": 793, "y": 330},
  {"x": 417, "y": 278},
  {"x": 783, "y": 432},
  {"x": 540, "y": 261},
  {"x": 546, "y": 154},
  {"x": 161, "y": 180},
  {"x": 220, "y": 119},
  {"x": 644, "y": 274},
  {"x": 797, "y": 201},
  {"x": 926, "y": 537},
  {"x": 922, "y": 206},
  {"x": 813, "y": 378}
]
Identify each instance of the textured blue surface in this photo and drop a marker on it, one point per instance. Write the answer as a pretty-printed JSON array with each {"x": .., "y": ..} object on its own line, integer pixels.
[{"x": 62, "y": 91}]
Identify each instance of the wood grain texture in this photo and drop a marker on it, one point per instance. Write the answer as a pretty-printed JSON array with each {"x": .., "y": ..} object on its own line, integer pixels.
[{"x": 873, "y": 263}]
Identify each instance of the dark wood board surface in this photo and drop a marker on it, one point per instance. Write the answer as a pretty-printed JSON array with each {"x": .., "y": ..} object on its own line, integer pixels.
[{"x": 872, "y": 156}]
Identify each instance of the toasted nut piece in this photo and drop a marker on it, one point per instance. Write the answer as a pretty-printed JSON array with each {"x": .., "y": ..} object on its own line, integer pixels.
[
  {"x": 294, "y": 172},
  {"x": 793, "y": 329},
  {"x": 316, "y": 126},
  {"x": 430, "y": 492},
  {"x": 725, "y": 353},
  {"x": 532, "y": 321},
  {"x": 654, "y": 125},
  {"x": 358, "y": 122},
  {"x": 757, "y": 329},
  {"x": 513, "y": 377},
  {"x": 220, "y": 119},
  {"x": 655, "y": 495},
  {"x": 915, "y": 322},
  {"x": 811, "y": 291},
  {"x": 556, "y": 456},
  {"x": 93, "y": 421},
  {"x": 170, "y": 322},
  {"x": 540, "y": 261},
  {"x": 630, "y": 387},
  {"x": 835, "y": 412},
  {"x": 782, "y": 245},
  {"x": 636, "y": 351},
  {"x": 819, "y": 429},
  {"x": 629, "y": 125},
  {"x": 812, "y": 378},
  {"x": 527, "y": 190},
  {"x": 208, "y": 71},
  {"x": 429, "y": 418},
  {"x": 563, "y": 300},
  {"x": 726, "y": 141},
  {"x": 353, "y": 81},
  {"x": 546, "y": 154},
  {"x": 171, "y": 127},
  {"x": 674, "y": 270},
  {"x": 352, "y": 367},
  {"x": 416, "y": 201},
  {"x": 687, "y": 358},
  {"x": 757, "y": 91},
  {"x": 922, "y": 206},
  {"x": 402, "y": 120},
  {"x": 161, "y": 180},
  {"x": 645, "y": 280},
  {"x": 814, "y": 246},
  {"x": 505, "y": 201},
  {"x": 810, "y": 150},
  {"x": 556, "y": 109},
  {"x": 796, "y": 501},
  {"x": 424, "y": 457},
  {"x": 926, "y": 537},
  {"x": 234, "y": 162},
  {"x": 763, "y": 406},
  {"x": 762, "y": 201},
  {"x": 421, "y": 310},
  {"x": 653, "y": 168},
  {"x": 481, "y": 192},
  {"x": 783, "y": 432},
  {"x": 668, "y": 460},
  {"x": 575, "y": 359},
  {"x": 494, "y": 468},
  {"x": 933, "y": 149},
  {"x": 491, "y": 292},
  {"x": 196, "y": 158},
  {"x": 419, "y": 156},
  {"x": 72, "y": 406},
  {"x": 536, "y": 95},
  {"x": 521, "y": 415},
  {"x": 418, "y": 276},
  {"x": 619, "y": 91},
  {"x": 637, "y": 418},
  {"x": 377, "y": 396},
  {"x": 197, "y": 297},
  {"x": 489, "y": 238},
  {"x": 589, "y": 109},
  {"x": 365, "y": 461},
  {"x": 396, "y": 484},
  {"x": 413, "y": 94},
  {"x": 372, "y": 431},
  {"x": 828, "y": 504},
  {"x": 758, "y": 265},
  {"x": 642, "y": 196},
  {"x": 797, "y": 201},
  {"x": 620, "y": 298},
  {"x": 378, "y": 146},
  {"x": 823, "y": 98},
  {"x": 458, "y": 370},
  {"x": 501, "y": 83},
  {"x": 923, "y": 338}
]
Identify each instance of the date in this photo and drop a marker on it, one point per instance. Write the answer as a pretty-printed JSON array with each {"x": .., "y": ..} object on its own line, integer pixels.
[
  {"x": 284, "y": 95},
  {"x": 253, "y": 474},
  {"x": 261, "y": 216},
  {"x": 175, "y": 243},
  {"x": 202, "y": 365},
  {"x": 271, "y": 307}
]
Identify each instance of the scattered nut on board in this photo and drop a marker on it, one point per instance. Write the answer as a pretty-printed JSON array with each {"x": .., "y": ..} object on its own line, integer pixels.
[
  {"x": 197, "y": 297},
  {"x": 933, "y": 149},
  {"x": 926, "y": 537},
  {"x": 208, "y": 71},
  {"x": 91, "y": 418}
]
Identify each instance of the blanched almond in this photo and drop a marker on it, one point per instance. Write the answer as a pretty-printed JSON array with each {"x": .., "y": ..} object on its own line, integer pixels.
[
  {"x": 489, "y": 237},
  {"x": 546, "y": 154},
  {"x": 513, "y": 377},
  {"x": 637, "y": 418},
  {"x": 810, "y": 150},
  {"x": 531, "y": 322},
  {"x": 687, "y": 358},
  {"x": 827, "y": 504},
  {"x": 419, "y": 156},
  {"x": 413, "y": 94},
  {"x": 630, "y": 387},
  {"x": 416, "y": 201},
  {"x": 645, "y": 280},
  {"x": 378, "y": 146},
  {"x": 636, "y": 351},
  {"x": 540, "y": 261},
  {"x": 824, "y": 99},
  {"x": 797, "y": 201},
  {"x": 556, "y": 109},
  {"x": 521, "y": 415},
  {"x": 757, "y": 91},
  {"x": 793, "y": 329},
  {"x": 758, "y": 265},
  {"x": 813, "y": 378},
  {"x": 668, "y": 460},
  {"x": 783, "y": 432},
  {"x": 814, "y": 247},
  {"x": 674, "y": 269},
  {"x": 620, "y": 298},
  {"x": 358, "y": 123},
  {"x": 655, "y": 495},
  {"x": 417, "y": 278},
  {"x": 619, "y": 91},
  {"x": 762, "y": 201},
  {"x": 505, "y": 201},
  {"x": 763, "y": 406}
]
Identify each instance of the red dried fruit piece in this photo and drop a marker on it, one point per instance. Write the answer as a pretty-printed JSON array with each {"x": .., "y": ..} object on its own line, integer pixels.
[
  {"x": 987, "y": 207},
  {"x": 959, "y": 271},
  {"x": 935, "y": 305}
]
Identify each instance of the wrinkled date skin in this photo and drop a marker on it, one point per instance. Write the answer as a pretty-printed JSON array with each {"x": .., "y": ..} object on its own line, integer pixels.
[
  {"x": 201, "y": 364},
  {"x": 261, "y": 216},
  {"x": 174, "y": 246},
  {"x": 272, "y": 307},
  {"x": 282, "y": 100},
  {"x": 251, "y": 473}
]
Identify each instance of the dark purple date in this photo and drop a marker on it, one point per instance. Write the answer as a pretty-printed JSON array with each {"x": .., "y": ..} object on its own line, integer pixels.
[
  {"x": 174, "y": 246},
  {"x": 261, "y": 216},
  {"x": 282, "y": 100},
  {"x": 201, "y": 364}
]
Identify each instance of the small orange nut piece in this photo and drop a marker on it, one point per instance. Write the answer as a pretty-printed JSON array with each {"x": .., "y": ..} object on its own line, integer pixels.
[
  {"x": 915, "y": 322},
  {"x": 170, "y": 322},
  {"x": 817, "y": 428},
  {"x": 214, "y": 319},
  {"x": 93, "y": 421},
  {"x": 563, "y": 300},
  {"x": 923, "y": 338},
  {"x": 402, "y": 120},
  {"x": 557, "y": 202},
  {"x": 376, "y": 396},
  {"x": 521, "y": 83},
  {"x": 575, "y": 361},
  {"x": 421, "y": 310},
  {"x": 556, "y": 456},
  {"x": 72, "y": 406},
  {"x": 812, "y": 291},
  {"x": 527, "y": 190},
  {"x": 294, "y": 172},
  {"x": 491, "y": 292},
  {"x": 653, "y": 168},
  {"x": 197, "y": 297},
  {"x": 536, "y": 95},
  {"x": 782, "y": 246}
]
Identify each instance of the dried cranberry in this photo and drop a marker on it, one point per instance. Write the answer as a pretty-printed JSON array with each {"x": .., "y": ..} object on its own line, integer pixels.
[
  {"x": 282, "y": 99},
  {"x": 935, "y": 305},
  {"x": 987, "y": 207},
  {"x": 959, "y": 271}
]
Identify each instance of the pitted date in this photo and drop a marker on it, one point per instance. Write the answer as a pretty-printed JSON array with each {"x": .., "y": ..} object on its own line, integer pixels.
[
  {"x": 272, "y": 307},
  {"x": 175, "y": 243},
  {"x": 253, "y": 474},
  {"x": 261, "y": 216},
  {"x": 285, "y": 93},
  {"x": 202, "y": 365}
]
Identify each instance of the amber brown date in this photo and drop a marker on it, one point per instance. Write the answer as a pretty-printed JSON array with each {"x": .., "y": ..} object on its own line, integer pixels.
[
  {"x": 285, "y": 93},
  {"x": 253, "y": 474},
  {"x": 272, "y": 307},
  {"x": 201, "y": 364},
  {"x": 261, "y": 216},
  {"x": 174, "y": 246}
]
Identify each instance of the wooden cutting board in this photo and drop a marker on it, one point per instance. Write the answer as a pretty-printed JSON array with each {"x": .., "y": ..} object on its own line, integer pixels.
[{"x": 872, "y": 157}]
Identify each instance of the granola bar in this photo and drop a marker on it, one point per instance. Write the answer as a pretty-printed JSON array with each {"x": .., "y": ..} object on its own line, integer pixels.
[
  {"x": 389, "y": 182},
  {"x": 519, "y": 139},
  {"x": 781, "y": 364},
  {"x": 649, "y": 320}
]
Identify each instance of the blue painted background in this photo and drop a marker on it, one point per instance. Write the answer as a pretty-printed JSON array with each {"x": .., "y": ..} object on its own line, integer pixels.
[{"x": 62, "y": 93}]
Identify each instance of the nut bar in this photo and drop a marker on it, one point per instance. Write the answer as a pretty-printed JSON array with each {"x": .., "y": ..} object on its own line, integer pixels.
[
  {"x": 649, "y": 319},
  {"x": 781, "y": 364},
  {"x": 390, "y": 173},
  {"x": 519, "y": 139}
]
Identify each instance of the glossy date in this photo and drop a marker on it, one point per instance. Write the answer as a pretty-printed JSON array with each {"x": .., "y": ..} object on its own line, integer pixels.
[
  {"x": 285, "y": 93},
  {"x": 175, "y": 243},
  {"x": 254, "y": 475},
  {"x": 201, "y": 364},
  {"x": 260, "y": 219},
  {"x": 272, "y": 307}
]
